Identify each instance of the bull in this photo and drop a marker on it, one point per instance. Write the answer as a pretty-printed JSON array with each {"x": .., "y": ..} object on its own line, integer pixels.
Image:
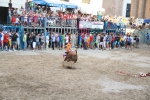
[{"x": 71, "y": 56}]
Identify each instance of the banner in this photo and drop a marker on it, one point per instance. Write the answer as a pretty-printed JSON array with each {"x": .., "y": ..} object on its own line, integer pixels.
[{"x": 85, "y": 24}]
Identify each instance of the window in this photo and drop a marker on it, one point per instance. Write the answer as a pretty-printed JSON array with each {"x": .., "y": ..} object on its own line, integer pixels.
[
  {"x": 86, "y": 1},
  {"x": 128, "y": 10},
  {"x": 65, "y": 0}
]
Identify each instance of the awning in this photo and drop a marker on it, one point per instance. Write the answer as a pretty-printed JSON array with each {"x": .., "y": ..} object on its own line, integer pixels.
[
  {"x": 55, "y": 3},
  {"x": 41, "y": 2}
]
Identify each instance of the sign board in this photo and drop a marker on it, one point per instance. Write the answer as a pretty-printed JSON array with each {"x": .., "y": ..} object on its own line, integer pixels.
[{"x": 85, "y": 24}]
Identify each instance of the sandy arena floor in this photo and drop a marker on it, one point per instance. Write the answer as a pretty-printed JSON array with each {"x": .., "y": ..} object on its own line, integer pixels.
[{"x": 27, "y": 75}]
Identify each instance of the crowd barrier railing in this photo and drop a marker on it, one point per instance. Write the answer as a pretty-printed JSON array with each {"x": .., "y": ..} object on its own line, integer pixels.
[
  {"x": 61, "y": 22},
  {"x": 39, "y": 21}
]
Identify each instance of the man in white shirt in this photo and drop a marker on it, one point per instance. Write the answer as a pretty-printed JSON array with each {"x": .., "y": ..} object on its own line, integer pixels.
[
  {"x": 67, "y": 39},
  {"x": 98, "y": 41},
  {"x": 132, "y": 41},
  {"x": 2, "y": 40},
  {"x": 105, "y": 41},
  {"x": 47, "y": 41},
  {"x": 53, "y": 40},
  {"x": 17, "y": 21}
]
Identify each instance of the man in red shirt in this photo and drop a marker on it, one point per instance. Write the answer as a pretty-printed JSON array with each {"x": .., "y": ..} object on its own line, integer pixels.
[
  {"x": 65, "y": 17},
  {"x": 6, "y": 39},
  {"x": 61, "y": 15},
  {"x": 91, "y": 41}
]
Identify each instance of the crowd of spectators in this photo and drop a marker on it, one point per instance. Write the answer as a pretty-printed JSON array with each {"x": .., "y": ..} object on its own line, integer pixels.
[
  {"x": 139, "y": 23},
  {"x": 35, "y": 15},
  {"x": 35, "y": 41}
]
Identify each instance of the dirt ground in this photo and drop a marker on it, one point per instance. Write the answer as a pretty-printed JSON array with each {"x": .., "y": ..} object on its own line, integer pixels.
[{"x": 27, "y": 75}]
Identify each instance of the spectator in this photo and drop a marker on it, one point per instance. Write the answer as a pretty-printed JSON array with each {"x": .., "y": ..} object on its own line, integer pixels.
[
  {"x": 137, "y": 41},
  {"x": 129, "y": 40},
  {"x": 6, "y": 39},
  {"x": 14, "y": 41},
  {"x": 47, "y": 41},
  {"x": 1, "y": 40},
  {"x": 147, "y": 39},
  {"x": 34, "y": 42},
  {"x": 38, "y": 41},
  {"x": 43, "y": 41},
  {"x": 25, "y": 41},
  {"x": 53, "y": 41},
  {"x": 10, "y": 4},
  {"x": 102, "y": 42},
  {"x": 26, "y": 5}
]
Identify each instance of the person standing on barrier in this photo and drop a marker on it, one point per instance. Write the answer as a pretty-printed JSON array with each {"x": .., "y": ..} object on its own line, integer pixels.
[
  {"x": 10, "y": 4},
  {"x": 26, "y": 5}
]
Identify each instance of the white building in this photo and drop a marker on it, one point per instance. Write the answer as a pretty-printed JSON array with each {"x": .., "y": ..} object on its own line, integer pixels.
[
  {"x": 93, "y": 7},
  {"x": 15, "y": 3}
]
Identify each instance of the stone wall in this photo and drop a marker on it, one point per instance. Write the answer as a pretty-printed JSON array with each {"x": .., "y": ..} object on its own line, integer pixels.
[
  {"x": 140, "y": 8},
  {"x": 142, "y": 33},
  {"x": 113, "y": 7},
  {"x": 147, "y": 11},
  {"x": 134, "y": 8}
]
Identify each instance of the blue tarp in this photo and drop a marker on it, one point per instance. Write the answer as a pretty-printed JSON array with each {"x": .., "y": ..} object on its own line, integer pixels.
[
  {"x": 55, "y": 3},
  {"x": 42, "y": 2}
]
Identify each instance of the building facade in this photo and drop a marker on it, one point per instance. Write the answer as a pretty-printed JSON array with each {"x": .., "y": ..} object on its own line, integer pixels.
[
  {"x": 113, "y": 7},
  {"x": 140, "y": 9}
]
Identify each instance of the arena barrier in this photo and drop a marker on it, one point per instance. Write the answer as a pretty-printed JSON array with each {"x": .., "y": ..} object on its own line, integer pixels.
[{"x": 72, "y": 28}]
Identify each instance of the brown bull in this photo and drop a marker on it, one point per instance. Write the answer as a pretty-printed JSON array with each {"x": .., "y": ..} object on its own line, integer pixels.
[{"x": 71, "y": 56}]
